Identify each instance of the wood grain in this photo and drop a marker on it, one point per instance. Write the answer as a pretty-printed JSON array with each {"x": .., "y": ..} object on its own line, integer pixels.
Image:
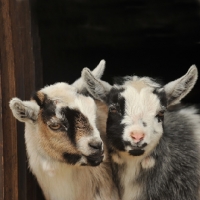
[{"x": 18, "y": 78}]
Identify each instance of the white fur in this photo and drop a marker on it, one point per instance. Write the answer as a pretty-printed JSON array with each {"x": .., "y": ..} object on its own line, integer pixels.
[
  {"x": 59, "y": 180},
  {"x": 144, "y": 109},
  {"x": 132, "y": 170},
  {"x": 141, "y": 105},
  {"x": 148, "y": 163}
]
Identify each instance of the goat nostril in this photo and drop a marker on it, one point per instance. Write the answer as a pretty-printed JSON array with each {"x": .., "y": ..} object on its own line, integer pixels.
[
  {"x": 137, "y": 136},
  {"x": 96, "y": 145}
]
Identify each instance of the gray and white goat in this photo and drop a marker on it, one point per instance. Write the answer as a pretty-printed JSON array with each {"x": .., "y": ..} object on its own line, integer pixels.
[
  {"x": 154, "y": 141},
  {"x": 64, "y": 147}
]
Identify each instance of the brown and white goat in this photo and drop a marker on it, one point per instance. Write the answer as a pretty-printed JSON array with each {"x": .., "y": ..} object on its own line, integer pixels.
[{"x": 64, "y": 147}]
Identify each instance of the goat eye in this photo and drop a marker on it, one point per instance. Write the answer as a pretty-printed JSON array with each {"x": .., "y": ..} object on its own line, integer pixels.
[
  {"x": 54, "y": 126},
  {"x": 160, "y": 116},
  {"x": 112, "y": 109}
]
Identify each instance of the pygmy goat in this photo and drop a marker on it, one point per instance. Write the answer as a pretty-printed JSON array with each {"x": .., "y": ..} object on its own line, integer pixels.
[
  {"x": 154, "y": 141},
  {"x": 64, "y": 147}
]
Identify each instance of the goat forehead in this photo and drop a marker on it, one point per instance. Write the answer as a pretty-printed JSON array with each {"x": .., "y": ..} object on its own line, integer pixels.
[
  {"x": 139, "y": 104},
  {"x": 82, "y": 105},
  {"x": 138, "y": 85},
  {"x": 61, "y": 113},
  {"x": 57, "y": 106},
  {"x": 60, "y": 91},
  {"x": 58, "y": 88},
  {"x": 77, "y": 101},
  {"x": 62, "y": 94},
  {"x": 140, "y": 82}
]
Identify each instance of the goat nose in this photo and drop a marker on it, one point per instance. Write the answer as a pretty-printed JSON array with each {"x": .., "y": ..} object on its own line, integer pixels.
[
  {"x": 137, "y": 136},
  {"x": 97, "y": 145}
]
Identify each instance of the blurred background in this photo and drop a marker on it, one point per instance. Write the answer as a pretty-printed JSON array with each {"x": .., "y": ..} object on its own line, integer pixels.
[{"x": 153, "y": 38}]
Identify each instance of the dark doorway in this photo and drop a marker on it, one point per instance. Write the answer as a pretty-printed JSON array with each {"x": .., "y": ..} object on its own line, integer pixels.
[{"x": 142, "y": 37}]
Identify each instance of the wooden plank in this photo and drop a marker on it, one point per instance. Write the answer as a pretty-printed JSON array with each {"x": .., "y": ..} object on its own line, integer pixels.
[
  {"x": 10, "y": 188},
  {"x": 18, "y": 78},
  {"x": 1, "y": 148}
]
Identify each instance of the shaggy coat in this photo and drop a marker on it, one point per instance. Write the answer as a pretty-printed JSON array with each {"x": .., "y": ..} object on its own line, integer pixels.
[
  {"x": 153, "y": 140},
  {"x": 64, "y": 146}
]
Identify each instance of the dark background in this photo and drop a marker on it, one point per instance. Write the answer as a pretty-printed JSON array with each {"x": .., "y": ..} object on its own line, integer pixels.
[{"x": 142, "y": 37}]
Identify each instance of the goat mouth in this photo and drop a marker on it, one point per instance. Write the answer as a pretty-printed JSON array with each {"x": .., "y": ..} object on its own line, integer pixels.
[
  {"x": 136, "y": 152},
  {"x": 95, "y": 159},
  {"x": 136, "y": 149}
]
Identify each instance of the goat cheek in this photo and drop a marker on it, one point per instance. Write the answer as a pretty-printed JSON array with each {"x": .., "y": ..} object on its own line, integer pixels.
[{"x": 71, "y": 158}]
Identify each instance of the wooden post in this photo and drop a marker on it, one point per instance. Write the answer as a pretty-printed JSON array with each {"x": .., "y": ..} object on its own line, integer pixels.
[
  {"x": 18, "y": 69},
  {"x": 1, "y": 149}
]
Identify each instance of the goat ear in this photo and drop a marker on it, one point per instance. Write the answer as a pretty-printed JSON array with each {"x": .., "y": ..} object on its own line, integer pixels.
[
  {"x": 24, "y": 111},
  {"x": 97, "y": 72},
  {"x": 96, "y": 87},
  {"x": 99, "y": 69},
  {"x": 178, "y": 89}
]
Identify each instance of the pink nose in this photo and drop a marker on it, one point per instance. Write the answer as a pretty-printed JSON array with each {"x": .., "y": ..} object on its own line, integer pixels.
[{"x": 137, "y": 136}]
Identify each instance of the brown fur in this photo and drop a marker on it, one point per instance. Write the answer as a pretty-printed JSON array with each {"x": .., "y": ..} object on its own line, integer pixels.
[
  {"x": 83, "y": 127},
  {"x": 54, "y": 143},
  {"x": 40, "y": 96},
  {"x": 54, "y": 156},
  {"x": 102, "y": 114}
]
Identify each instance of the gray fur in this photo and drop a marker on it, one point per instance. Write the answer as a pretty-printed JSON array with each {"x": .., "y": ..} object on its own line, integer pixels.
[{"x": 174, "y": 173}]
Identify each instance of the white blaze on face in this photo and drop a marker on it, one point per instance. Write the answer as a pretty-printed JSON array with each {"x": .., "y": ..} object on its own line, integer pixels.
[
  {"x": 141, "y": 108},
  {"x": 87, "y": 107}
]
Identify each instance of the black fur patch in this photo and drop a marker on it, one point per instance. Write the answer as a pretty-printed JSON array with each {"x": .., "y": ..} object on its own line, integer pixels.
[
  {"x": 113, "y": 96},
  {"x": 121, "y": 103},
  {"x": 136, "y": 152},
  {"x": 144, "y": 124},
  {"x": 114, "y": 126},
  {"x": 36, "y": 98},
  {"x": 71, "y": 158},
  {"x": 94, "y": 160},
  {"x": 116, "y": 170},
  {"x": 162, "y": 96},
  {"x": 72, "y": 115},
  {"x": 47, "y": 107}
]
